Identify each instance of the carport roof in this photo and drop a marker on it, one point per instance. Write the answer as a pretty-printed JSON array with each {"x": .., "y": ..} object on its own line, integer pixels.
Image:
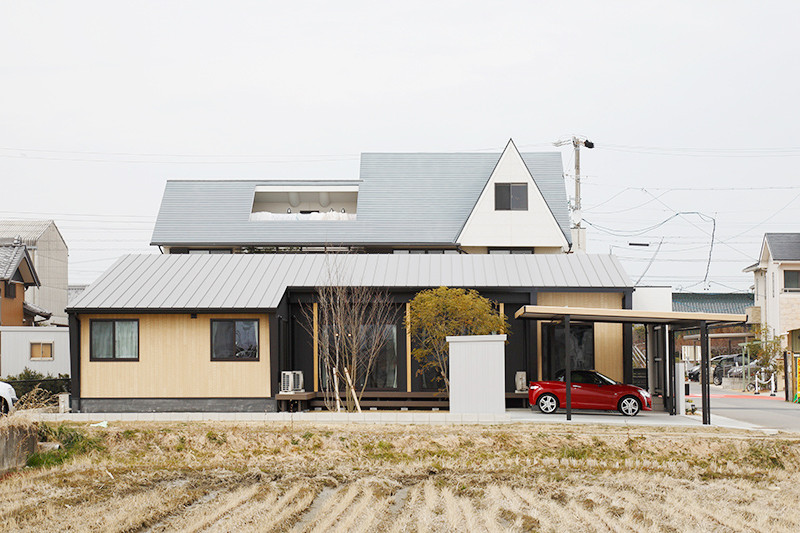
[{"x": 629, "y": 316}]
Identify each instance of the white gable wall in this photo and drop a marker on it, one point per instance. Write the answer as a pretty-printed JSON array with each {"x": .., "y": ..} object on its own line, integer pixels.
[{"x": 533, "y": 228}]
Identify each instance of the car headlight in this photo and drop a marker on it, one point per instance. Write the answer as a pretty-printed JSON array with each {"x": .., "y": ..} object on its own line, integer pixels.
[{"x": 645, "y": 393}]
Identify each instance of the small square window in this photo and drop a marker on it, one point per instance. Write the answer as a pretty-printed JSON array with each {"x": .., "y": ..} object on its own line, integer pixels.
[
  {"x": 511, "y": 196},
  {"x": 234, "y": 340},
  {"x": 42, "y": 351},
  {"x": 791, "y": 280}
]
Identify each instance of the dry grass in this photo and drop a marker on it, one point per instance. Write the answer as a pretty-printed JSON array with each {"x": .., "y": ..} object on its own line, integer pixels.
[{"x": 254, "y": 477}]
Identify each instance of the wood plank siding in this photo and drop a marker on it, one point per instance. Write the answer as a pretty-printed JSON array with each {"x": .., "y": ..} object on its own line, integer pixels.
[{"x": 175, "y": 361}]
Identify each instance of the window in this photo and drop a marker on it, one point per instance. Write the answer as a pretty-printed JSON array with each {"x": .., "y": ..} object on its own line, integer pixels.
[
  {"x": 234, "y": 340},
  {"x": 511, "y": 197},
  {"x": 383, "y": 367},
  {"x": 114, "y": 340},
  {"x": 11, "y": 290},
  {"x": 42, "y": 351},
  {"x": 791, "y": 280}
]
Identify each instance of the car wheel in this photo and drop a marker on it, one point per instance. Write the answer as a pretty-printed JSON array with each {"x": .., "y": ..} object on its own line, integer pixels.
[
  {"x": 547, "y": 403},
  {"x": 629, "y": 406},
  {"x": 751, "y": 387},
  {"x": 717, "y": 380},
  {"x": 3, "y": 407}
]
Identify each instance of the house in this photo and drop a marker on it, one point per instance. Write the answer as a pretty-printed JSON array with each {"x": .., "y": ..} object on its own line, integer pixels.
[
  {"x": 17, "y": 274},
  {"x": 49, "y": 255},
  {"x": 242, "y": 261},
  {"x": 777, "y": 284},
  {"x": 44, "y": 349}
]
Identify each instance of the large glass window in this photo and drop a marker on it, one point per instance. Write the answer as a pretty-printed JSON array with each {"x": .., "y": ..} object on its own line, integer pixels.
[
  {"x": 114, "y": 339},
  {"x": 234, "y": 340},
  {"x": 511, "y": 196},
  {"x": 554, "y": 349},
  {"x": 379, "y": 368}
]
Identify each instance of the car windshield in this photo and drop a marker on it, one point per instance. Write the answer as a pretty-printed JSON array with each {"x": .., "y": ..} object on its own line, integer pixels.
[{"x": 607, "y": 379}]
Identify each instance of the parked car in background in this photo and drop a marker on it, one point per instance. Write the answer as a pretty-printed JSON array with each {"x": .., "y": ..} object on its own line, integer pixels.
[
  {"x": 724, "y": 363},
  {"x": 694, "y": 373},
  {"x": 590, "y": 390},
  {"x": 7, "y": 398},
  {"x": 749, "y": 369}
]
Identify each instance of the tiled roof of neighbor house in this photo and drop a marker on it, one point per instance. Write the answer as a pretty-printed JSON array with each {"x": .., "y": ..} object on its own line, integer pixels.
[
  {"x": 28, "y": 230},
  {"x": 259, "y": 281},
  {"x": 784, "y": 246},
  {"x": 12, "y": 258},
  {"x": 418, "y": 198},
  {"x": 710, "y": 302},
  {"x": 35, "y": 310}
]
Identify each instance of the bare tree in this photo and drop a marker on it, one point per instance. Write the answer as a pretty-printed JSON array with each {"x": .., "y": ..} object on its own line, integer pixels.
[{"x": 352, "y": 325}]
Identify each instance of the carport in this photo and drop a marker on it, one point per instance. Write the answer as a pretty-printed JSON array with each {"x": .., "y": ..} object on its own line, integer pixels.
[{"x": 661, "y": 328}]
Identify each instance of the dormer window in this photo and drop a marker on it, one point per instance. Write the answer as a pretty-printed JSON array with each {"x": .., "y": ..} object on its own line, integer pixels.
[
  {"x": 305, "y": 201},
  {"x": 511, "y": 197}
]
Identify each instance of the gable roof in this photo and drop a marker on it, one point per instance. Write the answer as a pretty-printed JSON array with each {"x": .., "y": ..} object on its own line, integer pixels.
[
  {"x": 258, "y": 282},
  {"x": 28, "y": 230},
  {"x": 783, "y": 246},
  {"x": 14, "y": 258},
  {"x": 410, "y": 198},
  {"x": 710, "y": 302}
]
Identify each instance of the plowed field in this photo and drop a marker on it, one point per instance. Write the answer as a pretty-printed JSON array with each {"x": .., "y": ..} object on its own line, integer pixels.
[{"x": 255, "y": 477}]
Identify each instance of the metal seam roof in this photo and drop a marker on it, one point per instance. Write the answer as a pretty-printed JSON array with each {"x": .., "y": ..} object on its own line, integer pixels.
[{"x": 259, "y": 281}]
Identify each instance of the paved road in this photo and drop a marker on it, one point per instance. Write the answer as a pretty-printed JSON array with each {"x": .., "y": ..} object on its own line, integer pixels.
[{"x": 761, "y": 410}]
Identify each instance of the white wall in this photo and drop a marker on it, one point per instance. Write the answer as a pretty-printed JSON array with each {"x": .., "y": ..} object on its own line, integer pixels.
[
  {"x": 535, "y": 227},
  {"x": 15, "y": 350},
  {"x": 652, "y": 299},
  {"x": 477, "y": 374}
]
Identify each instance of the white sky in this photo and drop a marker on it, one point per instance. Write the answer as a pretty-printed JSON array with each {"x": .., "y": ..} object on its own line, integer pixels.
[{"x": 692, "y": 106}]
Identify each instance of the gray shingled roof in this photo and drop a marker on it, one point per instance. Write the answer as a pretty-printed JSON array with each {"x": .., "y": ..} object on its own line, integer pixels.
[
  {"x": 259, "y": 281},
  {"x": 709, "y": 302},
  {"x": 419, "y": 198},
  {"x": 784, "y": 246}
]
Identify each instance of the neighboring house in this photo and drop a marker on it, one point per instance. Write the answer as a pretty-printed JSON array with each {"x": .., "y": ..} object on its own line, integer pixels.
[
  {"x": 402, "y": 203},
  {"x": 777, "y": 284},
  {"x": 17, "y": 274},
  {"x": 20, "y": 344},
  {"x": 49, "y": 255},
  {"x": 42, "y": 349}
]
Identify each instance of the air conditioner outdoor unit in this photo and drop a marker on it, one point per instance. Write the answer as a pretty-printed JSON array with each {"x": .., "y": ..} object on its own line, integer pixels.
[
  {"x": 292, "y": 381},
  {"x": 520, "y": 381}
]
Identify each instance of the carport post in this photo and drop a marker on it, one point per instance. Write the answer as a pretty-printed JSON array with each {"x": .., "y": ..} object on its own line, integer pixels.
[
  {"x": 705, "y": 371},
  {"x": 567, "y": 367}
]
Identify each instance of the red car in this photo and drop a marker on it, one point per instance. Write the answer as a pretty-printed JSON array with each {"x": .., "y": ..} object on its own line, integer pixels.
[{"x": 590, "y": 390}]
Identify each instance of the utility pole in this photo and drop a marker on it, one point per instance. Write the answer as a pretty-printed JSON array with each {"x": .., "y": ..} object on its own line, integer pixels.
[
  {"x": 577, "y": 146},
  {"x": 578, "y": 231}
]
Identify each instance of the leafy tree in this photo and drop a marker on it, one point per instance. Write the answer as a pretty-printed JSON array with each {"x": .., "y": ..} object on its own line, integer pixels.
[
  {"x": 436, "y": 314},
  {"x": 766, "y": 348}
]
